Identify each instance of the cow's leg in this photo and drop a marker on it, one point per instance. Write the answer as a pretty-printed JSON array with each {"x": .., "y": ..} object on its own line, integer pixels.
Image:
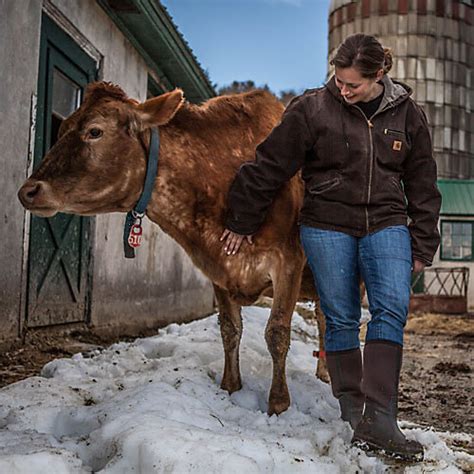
[
  {"x": 286, "y": 287},
  {"x": 322, "y": 369},
  {"x": 230, "y": 321}
]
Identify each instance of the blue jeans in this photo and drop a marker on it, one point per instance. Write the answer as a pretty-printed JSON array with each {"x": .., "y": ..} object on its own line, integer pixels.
[{"x": 383, "y": 260}]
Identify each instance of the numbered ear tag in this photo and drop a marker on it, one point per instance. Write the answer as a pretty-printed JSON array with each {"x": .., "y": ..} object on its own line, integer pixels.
[{"x": 135, "y": 236}]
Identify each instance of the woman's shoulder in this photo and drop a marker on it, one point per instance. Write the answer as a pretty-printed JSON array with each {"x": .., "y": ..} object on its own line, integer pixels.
[
  {"x": 416, "y": 112},
  {"x": 309, "y": 96}
]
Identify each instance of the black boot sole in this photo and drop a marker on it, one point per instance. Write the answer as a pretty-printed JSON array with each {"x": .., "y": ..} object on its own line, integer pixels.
[{"x": 370, "y": 447}]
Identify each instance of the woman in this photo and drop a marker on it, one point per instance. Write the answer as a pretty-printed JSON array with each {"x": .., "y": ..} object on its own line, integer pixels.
[{"x": 365, "y": 152}]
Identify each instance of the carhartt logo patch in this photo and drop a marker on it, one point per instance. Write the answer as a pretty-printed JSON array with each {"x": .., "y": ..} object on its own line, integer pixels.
[{"x": 397, "y": 145}]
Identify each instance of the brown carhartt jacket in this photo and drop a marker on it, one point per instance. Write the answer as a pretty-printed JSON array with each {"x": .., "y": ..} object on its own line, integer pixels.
[{"x": 360, "y": 175}]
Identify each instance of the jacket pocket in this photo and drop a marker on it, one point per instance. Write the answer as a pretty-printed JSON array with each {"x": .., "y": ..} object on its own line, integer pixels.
[
  {"x": 319, "y": 188},
  {"x": 395, "y": 133},
  {"x": 396, "y": 183}
]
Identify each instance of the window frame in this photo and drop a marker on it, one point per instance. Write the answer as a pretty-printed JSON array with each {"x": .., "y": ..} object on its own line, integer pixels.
[{"x": 453, "y": 259}]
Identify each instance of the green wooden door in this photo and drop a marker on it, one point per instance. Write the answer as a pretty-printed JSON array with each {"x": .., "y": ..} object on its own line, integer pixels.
[{"x": 60, "y": 247}]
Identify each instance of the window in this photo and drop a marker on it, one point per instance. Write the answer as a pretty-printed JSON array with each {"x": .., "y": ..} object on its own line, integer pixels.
[{"x": 457, "y": 240}]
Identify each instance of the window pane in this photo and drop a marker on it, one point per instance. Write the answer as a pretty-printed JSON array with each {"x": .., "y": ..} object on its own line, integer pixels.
[
  {"x": 467, "y": 253},
  {"x": 447, "y": 241},
  {"x": 467, "y": 229},
  {"x": 446, "y": 228},
  {"x": 456, "y": 252},
  {"x": 66, "y": 95},
  {"x": 457, "y": 240},
  {"x": 447, "y": 252}
]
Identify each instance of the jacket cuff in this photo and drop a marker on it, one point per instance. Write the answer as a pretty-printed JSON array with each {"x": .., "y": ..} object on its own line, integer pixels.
[
  {"x": 426, "y": 261},
  {"x": 241, "y": 227}
]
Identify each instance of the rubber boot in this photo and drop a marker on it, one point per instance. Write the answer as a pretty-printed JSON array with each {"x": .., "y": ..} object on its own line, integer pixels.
[
  {"x": 345, "y": 371},
  {"x": 378, "y": 430}
]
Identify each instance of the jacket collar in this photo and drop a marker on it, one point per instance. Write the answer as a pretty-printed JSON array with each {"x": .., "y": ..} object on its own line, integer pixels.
[{"x": 394, "y": 92}]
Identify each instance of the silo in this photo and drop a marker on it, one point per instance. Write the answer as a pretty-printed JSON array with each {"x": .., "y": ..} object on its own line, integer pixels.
[{"x": 433, "y": 46}]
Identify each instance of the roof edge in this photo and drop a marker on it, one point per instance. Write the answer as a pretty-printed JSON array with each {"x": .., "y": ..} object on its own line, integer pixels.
[{"x": 177, "y": 66}]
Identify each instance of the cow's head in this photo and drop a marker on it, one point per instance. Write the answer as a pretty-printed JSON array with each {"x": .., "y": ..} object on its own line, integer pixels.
[{"x": 99, "y": 161}]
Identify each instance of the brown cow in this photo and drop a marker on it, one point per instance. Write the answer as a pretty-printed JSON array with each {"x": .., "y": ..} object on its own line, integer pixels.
[{"x": 98, "y": 165}]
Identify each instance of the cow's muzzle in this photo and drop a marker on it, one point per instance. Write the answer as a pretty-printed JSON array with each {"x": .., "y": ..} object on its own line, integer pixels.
[{"x": 37, "y": 197}]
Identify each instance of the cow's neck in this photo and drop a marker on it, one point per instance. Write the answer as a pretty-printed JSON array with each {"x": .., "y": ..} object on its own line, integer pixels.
[{"x": 189, "y": 196}]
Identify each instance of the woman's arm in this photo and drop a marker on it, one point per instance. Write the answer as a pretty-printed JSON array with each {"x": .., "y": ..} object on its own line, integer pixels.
[
  {"x": 419, "y": 180},
  {"x": 278, "y": 158}
]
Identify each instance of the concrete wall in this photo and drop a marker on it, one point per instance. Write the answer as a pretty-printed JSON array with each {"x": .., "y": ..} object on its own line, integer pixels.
[
  {"x": 161, "y": 285},
  {"x": 19, "y": 40}
]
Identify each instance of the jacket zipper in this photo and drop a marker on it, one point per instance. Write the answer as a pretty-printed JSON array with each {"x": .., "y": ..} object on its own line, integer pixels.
[
  {"x": 370, "y": 125},
  {"x": 371, "y": 167}
]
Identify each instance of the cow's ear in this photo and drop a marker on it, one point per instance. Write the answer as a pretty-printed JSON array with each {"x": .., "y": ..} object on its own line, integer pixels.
[{"x": 160, "y": 110}]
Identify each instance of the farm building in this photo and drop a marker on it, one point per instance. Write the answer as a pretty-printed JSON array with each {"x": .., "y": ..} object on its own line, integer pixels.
[
  {"x": 456, "y": 226},
  {"x": 71, "y": 269}
]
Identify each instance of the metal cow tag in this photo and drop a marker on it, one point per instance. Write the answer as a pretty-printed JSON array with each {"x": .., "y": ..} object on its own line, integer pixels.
[{"x": 135, "y": 236}]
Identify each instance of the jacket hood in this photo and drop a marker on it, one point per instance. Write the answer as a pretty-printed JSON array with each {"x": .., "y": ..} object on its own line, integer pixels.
[{"x": 394, "y": 92}]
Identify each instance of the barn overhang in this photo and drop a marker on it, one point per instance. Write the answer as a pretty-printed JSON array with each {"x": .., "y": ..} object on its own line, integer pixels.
[
  {"x": 150, "y": 29},
  {"x": 458, "y": 197}
]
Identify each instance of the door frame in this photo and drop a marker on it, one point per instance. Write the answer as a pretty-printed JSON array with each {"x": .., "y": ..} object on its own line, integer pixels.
[{"x": 64, "y": 43}]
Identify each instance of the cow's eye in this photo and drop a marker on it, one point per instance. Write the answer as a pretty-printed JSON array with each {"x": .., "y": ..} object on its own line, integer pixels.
[{"x": 95, "y": 133}]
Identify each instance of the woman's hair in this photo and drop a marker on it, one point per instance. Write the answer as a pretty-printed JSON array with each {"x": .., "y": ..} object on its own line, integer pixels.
[{"x": 364, "y": 53}]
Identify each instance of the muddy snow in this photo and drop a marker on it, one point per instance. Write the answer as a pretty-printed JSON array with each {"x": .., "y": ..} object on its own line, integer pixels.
[{"x": 154, "y": 405}]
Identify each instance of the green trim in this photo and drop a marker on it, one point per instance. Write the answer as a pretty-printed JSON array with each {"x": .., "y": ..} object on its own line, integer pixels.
[
  {"x": 150, "y": 29},
  {"x": 153, "y": 88},
  {"x": 458, "y": 197},
  {"x": 447, "y": 221}
]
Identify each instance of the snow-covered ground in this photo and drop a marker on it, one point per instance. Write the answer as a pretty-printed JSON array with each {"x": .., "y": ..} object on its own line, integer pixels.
[{"x": 155, "y": 405}]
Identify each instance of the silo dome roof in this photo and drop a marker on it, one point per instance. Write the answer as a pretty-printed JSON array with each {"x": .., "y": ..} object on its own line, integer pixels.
[{"x": 335, "y": 4}]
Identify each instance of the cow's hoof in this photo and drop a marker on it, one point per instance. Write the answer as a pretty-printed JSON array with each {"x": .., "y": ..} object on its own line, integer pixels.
[
  {"x": 231, "y": 386},
  {"x": 277, "y": 405}
]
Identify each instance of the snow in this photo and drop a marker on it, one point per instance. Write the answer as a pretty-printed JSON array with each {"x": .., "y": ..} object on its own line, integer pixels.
[{"x": 155, "y": 406}]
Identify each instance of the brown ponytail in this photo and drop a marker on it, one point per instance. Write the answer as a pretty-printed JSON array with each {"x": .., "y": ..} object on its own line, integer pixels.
[
  {"x": 365, "y": 53},
  {"x": 388, "y": 60}
]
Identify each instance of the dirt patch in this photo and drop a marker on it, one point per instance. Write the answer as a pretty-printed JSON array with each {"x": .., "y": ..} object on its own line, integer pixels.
[
  {"x": 437, "y": 324},
  {"x": 40, "y": 348},
  {"x": 436, "y": 379}
]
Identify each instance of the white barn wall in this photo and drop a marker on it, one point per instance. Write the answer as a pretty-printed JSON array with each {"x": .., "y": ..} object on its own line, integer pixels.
[
  {"x": 161, "y": 285},
  {"x": 19, "y": 40}
]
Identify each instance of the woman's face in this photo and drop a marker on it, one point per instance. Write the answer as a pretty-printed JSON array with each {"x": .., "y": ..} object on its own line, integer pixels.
[{"x": 355, "y": 88}]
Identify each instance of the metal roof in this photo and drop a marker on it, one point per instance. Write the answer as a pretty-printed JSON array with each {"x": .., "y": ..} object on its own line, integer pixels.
[
  {"x": 150, "y": 28},
  {"x": 458, "y": 196}
]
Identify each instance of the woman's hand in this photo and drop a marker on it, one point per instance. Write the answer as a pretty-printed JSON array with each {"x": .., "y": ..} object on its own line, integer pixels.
[
  {"x": 418, "y": 266},
  {"x": 233, "y": 241}
]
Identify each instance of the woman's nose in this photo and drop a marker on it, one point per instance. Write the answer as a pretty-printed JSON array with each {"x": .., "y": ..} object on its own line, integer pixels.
[{"x": 344, "y": 90}]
